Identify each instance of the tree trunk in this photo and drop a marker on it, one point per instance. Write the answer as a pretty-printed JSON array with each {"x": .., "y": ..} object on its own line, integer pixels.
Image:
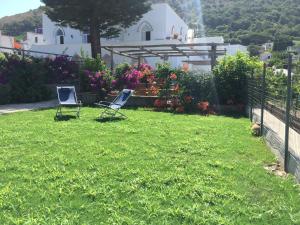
[{"x": 95, "y": 40}]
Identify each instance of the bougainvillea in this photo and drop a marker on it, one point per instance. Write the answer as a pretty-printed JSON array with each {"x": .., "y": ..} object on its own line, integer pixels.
[
  {"x": 62, "y": 70},
  {"x": 131, "y": 76},
  {"x": 147, "y": 73}
]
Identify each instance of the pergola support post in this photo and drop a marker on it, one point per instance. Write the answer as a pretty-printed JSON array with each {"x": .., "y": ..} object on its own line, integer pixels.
[
  {"x": 112, "y": 60},
  {"x": 139, "y": 62},
  {"x": 213, "y": 56}
]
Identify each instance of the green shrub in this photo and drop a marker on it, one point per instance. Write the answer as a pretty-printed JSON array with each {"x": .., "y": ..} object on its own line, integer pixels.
[
  {"x": 231, "y": 76},
  {"x": 4, "y": 94},
  {"x": 27, "y": 79},
  {"x": 2, "y": 58},
  {"x": 121, "y": 69},
  {"x": 163, "y": 70}
]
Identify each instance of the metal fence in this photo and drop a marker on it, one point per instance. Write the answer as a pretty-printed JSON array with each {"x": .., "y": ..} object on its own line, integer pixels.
[
  {"x": 30, "y": 53},
  {"x": 274, "y": 101}
]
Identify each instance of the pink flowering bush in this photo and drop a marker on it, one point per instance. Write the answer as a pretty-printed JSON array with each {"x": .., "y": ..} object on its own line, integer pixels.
[
  {"x": 130, "y": 77},
  {"x": 95, "y": 77},
  {"x": 61, "y": 70}
]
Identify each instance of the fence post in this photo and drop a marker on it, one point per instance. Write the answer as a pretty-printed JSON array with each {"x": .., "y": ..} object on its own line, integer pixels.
[
  {"x": 112, "y": 61},
  {"x": 23, "y": 54},
  {"x": 263, "y": 99},
  {"x": 288, "y": 115},
  {"x": 213, "y": 56},
  {"x": 251, "y": 94}
]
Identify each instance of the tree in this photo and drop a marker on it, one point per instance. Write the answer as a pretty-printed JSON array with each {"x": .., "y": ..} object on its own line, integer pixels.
[
  {"x": 254, "y": 50},
  {"x": 282, "y": 42},
  {"x": 101, "y": 18}
]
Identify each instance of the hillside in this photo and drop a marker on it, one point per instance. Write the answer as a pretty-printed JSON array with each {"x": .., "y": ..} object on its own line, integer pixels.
[
  {"x": 244, "y": 21},
  {"x": 239, "y": 21},
  {"x": 21, "y": 23}
]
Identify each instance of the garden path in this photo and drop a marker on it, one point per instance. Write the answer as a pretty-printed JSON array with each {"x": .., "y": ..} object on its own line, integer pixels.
[
  {"x": 274, "y": 124},
  {"x": 12, "y": 108}
]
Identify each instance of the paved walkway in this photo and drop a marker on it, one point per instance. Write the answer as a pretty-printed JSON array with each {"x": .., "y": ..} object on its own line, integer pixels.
[
  {"x": 5, "y": 109},
  {"x": 277, "y": 126}
]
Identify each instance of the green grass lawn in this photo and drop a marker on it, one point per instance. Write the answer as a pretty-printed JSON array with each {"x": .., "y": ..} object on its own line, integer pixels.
[{"x": 154, "y": 168}]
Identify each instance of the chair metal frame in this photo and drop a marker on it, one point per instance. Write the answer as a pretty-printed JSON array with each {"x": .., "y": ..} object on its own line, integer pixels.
[
  {"x": 77, "y": 103},
  {"x": 114, "y": 112}
]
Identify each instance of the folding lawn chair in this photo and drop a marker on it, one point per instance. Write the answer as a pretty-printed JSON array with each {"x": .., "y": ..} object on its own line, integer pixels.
[
  {"x": 112, "y": 109},
  {"x": 67, "y": 98}
]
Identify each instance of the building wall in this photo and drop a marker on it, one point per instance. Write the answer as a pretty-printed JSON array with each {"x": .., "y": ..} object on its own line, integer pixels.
[
  {"x": 233, "y": 49},
  {"x": 175, "y": 25},
  {"x": 71, "y": 36},
  {"x": 6, "y": 41},
  {"x": 66, "y": 49},
  {"x": 156, "y": 18},
  {"x": 33, "y": 39}
]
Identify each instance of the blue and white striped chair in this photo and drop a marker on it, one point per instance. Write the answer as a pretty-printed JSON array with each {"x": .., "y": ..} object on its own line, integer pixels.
[
  {"x": 112, "y": 109},
  {"x": 67, "y": 98}
]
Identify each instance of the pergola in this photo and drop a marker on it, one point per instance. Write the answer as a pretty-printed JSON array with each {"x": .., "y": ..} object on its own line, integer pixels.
[{"x": 208, "y": 52}]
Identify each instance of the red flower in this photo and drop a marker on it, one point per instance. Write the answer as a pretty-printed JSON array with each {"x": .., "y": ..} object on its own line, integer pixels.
[
  {"x": 157, "y": 103},
  {"x": 173, "y": 76},
  {"x": 203, "y": 106},
  {"x": 160, "y": 103}
]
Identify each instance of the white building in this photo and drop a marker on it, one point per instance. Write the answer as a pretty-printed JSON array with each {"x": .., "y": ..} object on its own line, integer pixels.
[
  {"x": 234, "y": 49},
  {"x": 33, "y": 39},
  {"x": 6, "y": 42},
  {"x": 161, "y": 25}
]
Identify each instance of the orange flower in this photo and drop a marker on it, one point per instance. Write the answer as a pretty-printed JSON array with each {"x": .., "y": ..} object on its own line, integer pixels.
[
  {"x": 173, "y": 76},
  {"x": 154, "y": 90},
  {"x": 185, "y": 67},
  {"x": 177, "y": 88}
]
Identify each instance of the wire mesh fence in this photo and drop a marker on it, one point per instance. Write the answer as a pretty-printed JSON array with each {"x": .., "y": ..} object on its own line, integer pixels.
[{"x": 274, "y": 100}]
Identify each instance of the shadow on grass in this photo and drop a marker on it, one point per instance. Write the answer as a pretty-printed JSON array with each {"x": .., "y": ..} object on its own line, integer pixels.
[
  {"x": 65, "y": 118},
  {"x": 109, "y": 120}
]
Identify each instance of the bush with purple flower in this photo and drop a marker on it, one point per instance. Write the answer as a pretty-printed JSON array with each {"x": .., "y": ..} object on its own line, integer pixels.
[
  {"x": 131, "y": 76},
  {"x": 95, "y": 77},
  {"x": 62, "y": 70}
]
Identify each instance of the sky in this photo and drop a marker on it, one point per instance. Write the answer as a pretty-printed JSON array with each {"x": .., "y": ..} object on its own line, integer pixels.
[{"x": 11, "y": 7}]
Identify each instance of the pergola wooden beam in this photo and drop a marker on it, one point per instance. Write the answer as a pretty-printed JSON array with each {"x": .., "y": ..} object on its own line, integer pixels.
[
  {"x": 151, "y": 52},
  {"x": 178, "y": 54},
  {"x": 164, "y": 51},
  {"x": 166, "y": 45},
  {"x": 119, "y": 53},
  {"x": 170, "y": 50},
  {"x": 179, "y": 50},
  {"x": 198, "y": 62}
]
